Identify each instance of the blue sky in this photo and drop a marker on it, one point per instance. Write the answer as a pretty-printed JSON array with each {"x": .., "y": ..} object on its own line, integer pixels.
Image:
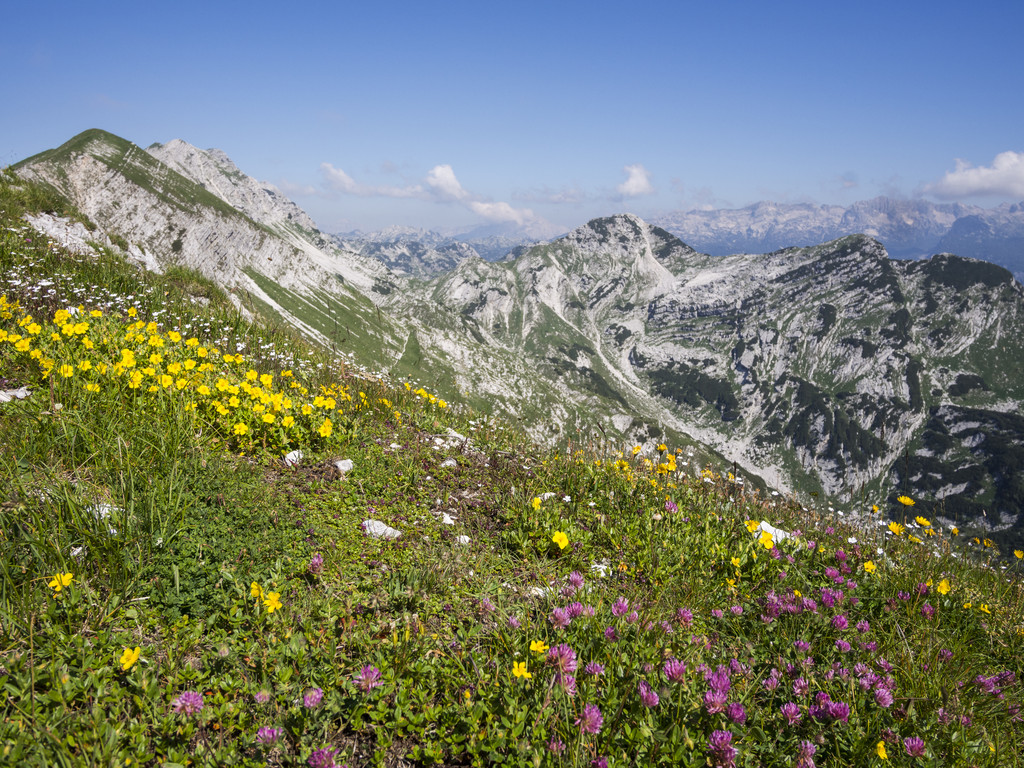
[{"x": 453, "y": 114}]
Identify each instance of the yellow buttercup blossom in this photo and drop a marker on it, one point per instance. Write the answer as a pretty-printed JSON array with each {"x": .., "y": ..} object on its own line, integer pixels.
[
  {"x": 325, "y": 428},
  {"x": 240, "y": 428},
  {"x": 943, "y": 588},
  {"x": 765, "y": 540},
  {"x": 519, "y": 670},
  {"x": 752, "y": 525},
  {"x": 870, "y": 567},
  {"x": 60, "y": 581},
  {"x": 560, "y": 539},
  {"x": 255, "y": 590},
  {"x": 538, "y": 646},
  {"x": 1018, "y": 554},
  {"x": 880, "y": 751},
  {"x": 272, "y": 601},
  {"x": 536, "y": 502},
  {"x": 736, "y": 562},
  {"x": 129, "y": 657}
]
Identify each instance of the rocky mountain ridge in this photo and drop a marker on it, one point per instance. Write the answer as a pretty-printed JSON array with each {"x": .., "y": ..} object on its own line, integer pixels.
[{"x": 909, "y": 229}]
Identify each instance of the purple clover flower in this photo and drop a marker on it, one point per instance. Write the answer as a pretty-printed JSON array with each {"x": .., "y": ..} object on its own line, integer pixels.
[
  {"x": 268, "y": 736},
  {"x": 805, "y": 755},
  {"x": 188, "y": 703},
  {"x": 316, "y": 564},
  {"x": 674, "y": 670},
  {"x": 590, "y": 719},
  {"x": 720, "y": 750},
  {"x": 791, "y": 711},
  {"x": 914, "y": 746},
  {"x": 556, "y": 745},
  {"x": 312, "y": 698},
  {"x": 559, "y": 618},
  {"x": 368, "y": 679},
  {"x": 620, "y": 607},
  {"x": 736, "y": 713},
  {"x": 648, "y": 696},
  {"x": 563, "y": 657},
  {"x": 593, "y": 668},
  {"x": 322, "y": 758}
]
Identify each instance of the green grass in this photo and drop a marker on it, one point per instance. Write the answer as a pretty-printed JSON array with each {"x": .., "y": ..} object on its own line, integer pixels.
[{"x": 272, "y": 630}]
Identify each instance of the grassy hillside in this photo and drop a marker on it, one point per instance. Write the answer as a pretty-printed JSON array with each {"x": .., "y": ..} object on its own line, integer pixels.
[{"x": 174, "y": 592}]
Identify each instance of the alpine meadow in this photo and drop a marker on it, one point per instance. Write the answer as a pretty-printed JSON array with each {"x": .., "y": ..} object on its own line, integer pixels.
[{"x": 273, "y": 496}]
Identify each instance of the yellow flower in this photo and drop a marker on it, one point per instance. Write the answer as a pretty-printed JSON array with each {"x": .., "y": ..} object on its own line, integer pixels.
[
  {"x": 268, "y": 418},
  {"x": 954, "y": 530},
  {"x": 560, "y": 539},
  {"x": 922, "y": 521},
  {"x": 765, "y": 540},
  {"x": 869, "y": 566},
  {"x": 943, "y": 588},
  {"x": 987, "y": 542},
  {"x": 880, "y": 751},
  {"x": 66, "y": 371},
  {"x": 174, "y": 336},
  {"x": 129, "y": 657},
  {"x": 272, "y": 601},
  {"x": 132, "y": 312},
  {"x": 636, "y": 449},
  {"x": 287, "y": 421},
  {"x": 1018, "y": 554},
  {"x": 538, "y": 646},
  {"x": 241, "y": 429},
  {"x": 60, "y": 581},
  {"x": 325, "y": 428},
  {"x": 255, "y": 590},
  {"x": 519, "y": 670},
  {"x": 736, "y": 562},
  {"x": 752, "y": 525},
  {"x": 896, "y": 529},
  {"x": 874, "y": 508},
  {"x": 983, "y": 607},
  {"x": 536, "y": 502},
  {"x": 662, "y": 447},
  {"x": 906, "y": 501}
]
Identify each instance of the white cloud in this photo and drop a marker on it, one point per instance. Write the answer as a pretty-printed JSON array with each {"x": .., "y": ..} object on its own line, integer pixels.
[
  {"x": 340, "y": 181},
  {"x": 441, "y": 186},
  {"x": 501, "y": 212},
  {"x": 1004, "y": 178},
  {"x": 441, "y": 179},
  {"x": 637, "y": 183}
]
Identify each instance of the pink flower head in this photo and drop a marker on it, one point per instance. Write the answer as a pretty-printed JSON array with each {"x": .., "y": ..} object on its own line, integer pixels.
[
  {"x": 590, "y": 720},
  {"x": 368, "y": 678},
  {"x": 188, "y": 703}
]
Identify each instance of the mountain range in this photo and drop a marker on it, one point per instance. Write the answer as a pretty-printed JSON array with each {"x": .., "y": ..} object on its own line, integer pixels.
[
  {"x": 828, "y": 369},
  {"x": 909, "y": 229}
]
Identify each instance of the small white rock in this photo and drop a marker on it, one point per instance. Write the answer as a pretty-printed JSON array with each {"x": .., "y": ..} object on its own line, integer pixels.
[
  {"x": 379, "y": 530},
  {"x": 13, "y": 394},
  {"x": 462, "y": 539},
  {"x": 449, "y": 463},
  {"x": 293, "y": 458},
  {"x": 344, "y": 465},
  {"x": 447, "y": 519}
]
